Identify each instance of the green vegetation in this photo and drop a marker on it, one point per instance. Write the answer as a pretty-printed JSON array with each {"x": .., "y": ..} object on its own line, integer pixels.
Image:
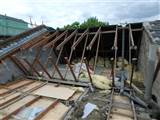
[{"x": 90, "y": 22}]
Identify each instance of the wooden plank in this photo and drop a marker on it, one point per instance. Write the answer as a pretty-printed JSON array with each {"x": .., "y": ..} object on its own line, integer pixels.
[
  {"x": 69, "y": 82},
  {"x": 3, "y": 90},
  {"x": 55, "y": 92},
  {"x": 56, "y": 113},
  {"x": 20, "y": 108},
  {"x": 122, "y": 105},
  {"x": 66, "y": 40},
  {"x": 121, "y": 108},
  {"x": 20, "y": 84},
  {"x": 123, "y": 112},
  {"x": 15, "y": 106},
  {"x": 47, "y": 109},
  {"x": 15, "y": 86},
  {"x": 5, "y": 99},
  {"x": 52, "y": 42},
  {"x": 94, "y": 39},
  {"x": 41, "y": 103},
  {"x": 119, "y": 117},
  {"x": 19, "y": 64},
  {"x": 121, "y": 99},
  {"x": 31, "y": 86},
  {"x": 12, "y": 96}
]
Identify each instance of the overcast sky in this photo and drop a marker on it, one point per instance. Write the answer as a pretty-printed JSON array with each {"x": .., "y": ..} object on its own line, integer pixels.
[{"x": 57, "y": 13}]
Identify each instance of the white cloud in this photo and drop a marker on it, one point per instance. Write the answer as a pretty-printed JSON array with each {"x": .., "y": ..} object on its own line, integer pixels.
[{"x": 57, "y": 13}]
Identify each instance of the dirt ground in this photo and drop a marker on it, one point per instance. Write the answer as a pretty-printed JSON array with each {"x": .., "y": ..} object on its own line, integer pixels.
[{"x": 98, "y": 98}]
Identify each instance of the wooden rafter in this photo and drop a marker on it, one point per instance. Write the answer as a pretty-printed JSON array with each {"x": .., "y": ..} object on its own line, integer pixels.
[
  {"x": 44, "y": 69},
  {"x": 66, "y": 40},
  {"x": 32, "y": 67},
  {"x": 55, "y": 40},
  {"x": 45, "y": 40},
  {"x": 80, "y": 38},
  {"x": 19, "y": 65},
  {"x": 94, "y": 39}
]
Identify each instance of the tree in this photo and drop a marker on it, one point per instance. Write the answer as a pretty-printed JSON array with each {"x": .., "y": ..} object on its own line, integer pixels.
[
  {"x": 74, "y": 25},
  {"x": 90, "y": 22}
]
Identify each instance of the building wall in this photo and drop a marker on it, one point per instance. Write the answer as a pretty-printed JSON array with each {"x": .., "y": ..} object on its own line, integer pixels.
[
  {"x": 10, "y": 27},
  {"x": 8, "y": 71},
  {"x": 156, "y": 84},
  {"x": 146, "y": 63},
  {"x": 156, "y": 88},
  {"x": 143, "y": 55}
]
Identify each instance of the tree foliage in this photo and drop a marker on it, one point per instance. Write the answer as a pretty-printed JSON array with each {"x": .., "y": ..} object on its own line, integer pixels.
[
  {"x": 90, "y": 22},
  {"x": 74, "y": 25}
]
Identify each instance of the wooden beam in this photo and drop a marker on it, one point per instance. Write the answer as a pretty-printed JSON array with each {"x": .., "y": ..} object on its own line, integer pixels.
[
  {"x": 59, "y": 55},
  {"x": 19, "y": 97},
  {"x": 80, "y": 39},
  {"x": 95, "y": 62},
  {"x": 38, "y": 54},
  {"x": 47, "y": 110},
  {"x": 66, "y": 40},
  {"x": 115, "y": 38},
  {"x": 82, "y": 57},
  {"x": 89, "y": 74},
  {"x": 70, "y": 56},
  {"x": 115, "y": 48},
  {"x": 19, "y": 109},
  {"x": 19, "y": 65},
  {"x": 45, "y": 40},
  {"x": 11, "y": 90},
  {"x": 44, "y": 69},
  {"x": 55, "y": 40},
  {"x": 65, "y": 82},
  {"x": 131, "y": 36},
  {"x": 34, "y": 41},
  {"x": 74, "y": 76},
  {"x": 10, "y": 100},
  {"x": 32, "y": 67},
  {"x": 94, "y": 39},
  {"x": 57, "y": 69}
]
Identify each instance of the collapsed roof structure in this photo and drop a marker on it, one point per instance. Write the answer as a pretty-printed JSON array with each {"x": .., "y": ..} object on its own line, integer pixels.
[{"x": 44, "y": 55}]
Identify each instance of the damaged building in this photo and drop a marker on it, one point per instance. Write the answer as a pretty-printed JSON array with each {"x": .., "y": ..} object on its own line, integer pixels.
[{"x": 99, "y": 73}]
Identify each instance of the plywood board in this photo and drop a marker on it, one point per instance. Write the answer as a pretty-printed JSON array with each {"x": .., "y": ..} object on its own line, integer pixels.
[
  {"x": 55, "y": 92},
  {"x": 56, "y": 113}
]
